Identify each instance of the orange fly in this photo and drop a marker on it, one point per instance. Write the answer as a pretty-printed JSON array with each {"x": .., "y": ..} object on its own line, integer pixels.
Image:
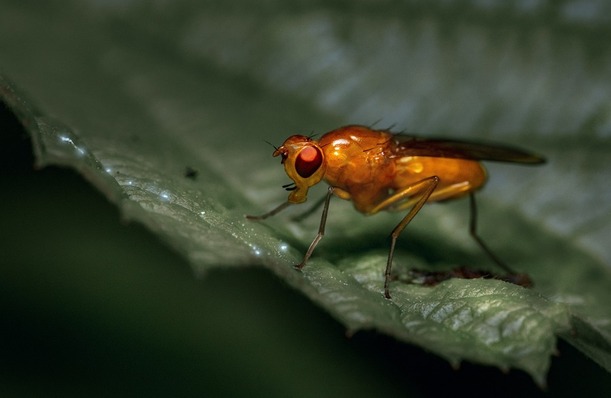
[{"x": 378, "y": 170}]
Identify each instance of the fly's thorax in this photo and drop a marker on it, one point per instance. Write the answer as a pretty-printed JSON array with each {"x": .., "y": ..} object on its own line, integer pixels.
[
  {"x": 358, "y": 165},
  {"x": 355, "y": 159}
]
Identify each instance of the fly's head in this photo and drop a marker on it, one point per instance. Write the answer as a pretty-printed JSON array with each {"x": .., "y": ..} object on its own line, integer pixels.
[{"x": 304, "y": 163}]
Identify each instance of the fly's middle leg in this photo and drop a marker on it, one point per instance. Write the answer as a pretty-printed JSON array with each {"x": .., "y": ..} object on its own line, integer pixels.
[{"x": 423, "y": 190}]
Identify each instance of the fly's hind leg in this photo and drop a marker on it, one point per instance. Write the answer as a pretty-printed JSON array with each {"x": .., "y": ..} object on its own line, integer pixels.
[
  {"x": 522, "y": 279},
  {"x": 417, "y": 194}
]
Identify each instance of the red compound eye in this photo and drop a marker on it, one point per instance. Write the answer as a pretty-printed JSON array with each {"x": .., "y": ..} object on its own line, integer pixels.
[{"x": 308, "y": 161}]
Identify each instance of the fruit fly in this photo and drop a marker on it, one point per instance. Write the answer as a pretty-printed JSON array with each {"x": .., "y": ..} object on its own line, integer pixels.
[{"x": 378, "y": 170}]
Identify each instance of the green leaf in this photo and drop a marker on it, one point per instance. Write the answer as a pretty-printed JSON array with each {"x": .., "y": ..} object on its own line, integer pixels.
[{"x": 134, "y": 96}]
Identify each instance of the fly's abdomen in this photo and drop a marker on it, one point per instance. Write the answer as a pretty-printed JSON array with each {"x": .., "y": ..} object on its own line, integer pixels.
[{"x": 457, "y": 176}]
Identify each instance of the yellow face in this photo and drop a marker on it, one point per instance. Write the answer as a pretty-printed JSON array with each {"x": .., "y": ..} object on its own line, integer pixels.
[{"x": 304, "y": 163}]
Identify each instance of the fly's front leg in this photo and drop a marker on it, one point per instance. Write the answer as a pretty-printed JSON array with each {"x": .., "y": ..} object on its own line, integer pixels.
[
  {"x": 420, "y": 192},
  {"x": 321, "y": 230},
  {"x": 270, "y": 213}
]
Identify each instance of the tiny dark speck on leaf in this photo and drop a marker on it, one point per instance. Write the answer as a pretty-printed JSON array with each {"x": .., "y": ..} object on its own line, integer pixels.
[{"x": 191, "y": 173}]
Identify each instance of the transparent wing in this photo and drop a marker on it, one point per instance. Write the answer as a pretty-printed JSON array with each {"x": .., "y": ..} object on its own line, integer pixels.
[{"x": 406, "y": 145}]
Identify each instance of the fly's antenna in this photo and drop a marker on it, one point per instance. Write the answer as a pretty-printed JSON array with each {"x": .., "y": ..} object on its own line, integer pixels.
[{"x": 272, "y": 145}]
